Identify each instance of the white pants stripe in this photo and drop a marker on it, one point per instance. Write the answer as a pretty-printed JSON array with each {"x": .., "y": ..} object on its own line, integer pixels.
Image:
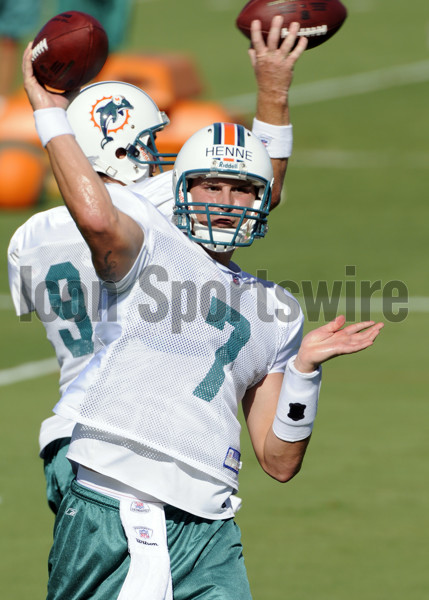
[{"x": 149, "y": 573}]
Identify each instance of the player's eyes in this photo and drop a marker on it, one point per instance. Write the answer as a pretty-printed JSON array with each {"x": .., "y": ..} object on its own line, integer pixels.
[{"x": 243, "y": 190}]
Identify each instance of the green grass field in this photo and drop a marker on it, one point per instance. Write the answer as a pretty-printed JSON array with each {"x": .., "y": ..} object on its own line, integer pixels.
[{"x": 353, "y": 524}]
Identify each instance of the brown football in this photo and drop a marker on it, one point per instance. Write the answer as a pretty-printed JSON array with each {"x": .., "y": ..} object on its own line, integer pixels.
[
  {"x": 69, "y": 51},
  {"x": 319, "y": 19}
]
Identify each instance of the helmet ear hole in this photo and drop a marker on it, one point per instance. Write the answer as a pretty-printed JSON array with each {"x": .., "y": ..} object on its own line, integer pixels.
[{"x": 120, "y": 153}]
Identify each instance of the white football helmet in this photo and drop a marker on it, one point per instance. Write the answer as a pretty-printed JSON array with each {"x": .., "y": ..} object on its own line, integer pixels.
[
  {"x": 115, "y": 125},
  {"x": 222, "y": 150}
]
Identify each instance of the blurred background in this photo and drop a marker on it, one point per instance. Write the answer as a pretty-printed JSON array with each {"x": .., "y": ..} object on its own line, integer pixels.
[{"x": 350, "y": 236}]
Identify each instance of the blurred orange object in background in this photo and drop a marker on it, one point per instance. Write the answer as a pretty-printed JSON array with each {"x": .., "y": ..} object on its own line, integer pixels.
[
  {"x": 167, "y": 78},
  {"x": 186, "y": 117},
  {"x": 22, "y": 172},
  {"x": 17, "y": 121}
]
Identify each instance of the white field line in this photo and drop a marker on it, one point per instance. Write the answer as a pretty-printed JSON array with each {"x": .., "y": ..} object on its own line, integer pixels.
[
  {"x": 342, "y": 87},
  {"x": 29, "y": 370},
  {"x": 413, "y": 303},
  {"x": 32, "y": 370},
  {"x": 365, "y": 159},
  {"x": 5, "y": 302}
]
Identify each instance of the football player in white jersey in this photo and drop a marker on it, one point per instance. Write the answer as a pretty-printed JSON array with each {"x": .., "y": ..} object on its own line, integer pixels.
[
  {"x": 49, "y": 264},
  {"x": 50, "y": 269},
  {"x": 184, "y": 337}
]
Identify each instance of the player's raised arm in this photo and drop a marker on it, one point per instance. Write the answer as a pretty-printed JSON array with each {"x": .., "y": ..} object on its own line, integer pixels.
[
  {"x": 280, "y": 410},
  {"x": 273, "y": 63},
  {"x": 113, "y": 237}
]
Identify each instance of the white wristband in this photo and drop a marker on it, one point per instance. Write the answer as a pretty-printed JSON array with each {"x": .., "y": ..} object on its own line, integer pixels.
[
  {"x": 277, "y": 139},
  {"x": 51, "y": 122},
  {"x": 297, "y": 404}
]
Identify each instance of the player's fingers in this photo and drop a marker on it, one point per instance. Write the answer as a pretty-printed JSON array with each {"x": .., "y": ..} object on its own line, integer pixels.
[
  {"x": 362, "y": 339},
  {"x": 27, "y": 51},
  {"x": 367, "y": 337},
  {"x": 372, "y": 332},
  {"x": 358, "y": 327},
  {"x": 335, "y": 324},
  {"x": 363, "y": 328},
  {"x": 26, "y": 61},
  {"x": 274, "y": 34},
  {"x": 299, "y": 49},
  {"x": 252, "y": 55},
  {"x": 325, "y": 332},
  {"x": 351, "y": 349},
  {"x": 256, "y": 36},
  {"x": 358, "y": 341},
  {"x": 290, "y": 38}
]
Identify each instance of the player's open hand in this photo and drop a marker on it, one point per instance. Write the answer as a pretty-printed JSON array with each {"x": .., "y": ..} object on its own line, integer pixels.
[
  {"x": 333, "y": 339},
  {"x": 273, "y": 62},
  {"x": 38, "y": 96}
]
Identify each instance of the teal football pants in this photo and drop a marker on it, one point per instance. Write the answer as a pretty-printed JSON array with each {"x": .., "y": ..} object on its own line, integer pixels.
[
  {"x": 58, "y": 472},
  {"x": 90, "y": 559}
]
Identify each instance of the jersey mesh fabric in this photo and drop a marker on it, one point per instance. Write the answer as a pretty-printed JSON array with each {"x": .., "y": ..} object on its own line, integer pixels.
[
  {"x": 55, "y": 278},
  {"x": 49, "y": 246},
  {"x": 174, "y": 378}
]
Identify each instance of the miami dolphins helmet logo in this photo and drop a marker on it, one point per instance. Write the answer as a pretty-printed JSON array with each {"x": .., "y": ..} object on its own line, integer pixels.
[{"x": 110, "y": 114}]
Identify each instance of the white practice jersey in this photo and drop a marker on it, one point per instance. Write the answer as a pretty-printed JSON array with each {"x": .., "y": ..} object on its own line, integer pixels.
[
  {"x": 159, "y": 190},
  {"x": 51, "y": 274},
  {"x": 181, "y": 340}
]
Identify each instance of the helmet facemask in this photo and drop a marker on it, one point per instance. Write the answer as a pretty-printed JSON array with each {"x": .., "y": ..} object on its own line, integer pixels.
[
  {"x": 224, "y": 151},
  {"x": 145, "y": 152},
  {"x": 252, "y": 220}
]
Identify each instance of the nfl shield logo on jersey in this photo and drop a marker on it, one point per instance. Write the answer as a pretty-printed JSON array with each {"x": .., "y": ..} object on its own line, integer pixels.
[{"x": 143, "y": 533}]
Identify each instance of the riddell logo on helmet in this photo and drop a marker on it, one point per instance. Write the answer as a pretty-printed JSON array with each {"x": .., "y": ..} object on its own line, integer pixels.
[{"x": 110, "y": 115}]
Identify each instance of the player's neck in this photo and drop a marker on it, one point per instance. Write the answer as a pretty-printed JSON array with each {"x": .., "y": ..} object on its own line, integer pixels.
[
  {"x": 108, "y": 179},
  {"x": 224, "y": 258}
]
